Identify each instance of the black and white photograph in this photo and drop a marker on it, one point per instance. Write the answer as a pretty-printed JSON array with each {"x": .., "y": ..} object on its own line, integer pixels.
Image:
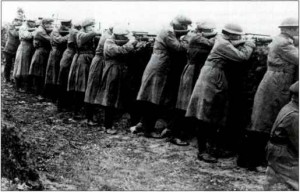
[{"x": 153, "y": 95}]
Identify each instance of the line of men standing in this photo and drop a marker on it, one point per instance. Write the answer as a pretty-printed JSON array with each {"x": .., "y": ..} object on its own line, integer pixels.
[{"x": 185, "y": 81}]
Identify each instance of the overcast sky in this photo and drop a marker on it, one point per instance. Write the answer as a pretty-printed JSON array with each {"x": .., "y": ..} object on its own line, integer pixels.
[{"x": 253, "y": 16}]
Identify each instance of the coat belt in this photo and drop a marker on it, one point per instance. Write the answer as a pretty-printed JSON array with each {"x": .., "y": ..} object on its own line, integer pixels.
[
  {"x": 85, "y": 52},
  {"x": 216, "y": 65},
  {"x": 159, "y": 51},
  {"x": 280, "y": 69}
]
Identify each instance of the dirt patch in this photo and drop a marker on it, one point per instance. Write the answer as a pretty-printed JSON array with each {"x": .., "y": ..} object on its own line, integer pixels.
[{"x": 72, "y": 156}]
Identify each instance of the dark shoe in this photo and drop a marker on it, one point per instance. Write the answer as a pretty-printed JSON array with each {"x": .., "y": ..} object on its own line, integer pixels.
[
  {"x": 137, "y": 128},
  {"x": 165, "y": 133},
  {"x": 20, "y": 90},
  {"x": 153, "y": 135},
  {"x": 207, "y": 158},
  {"x": 111, "y": 131},
  {"x": 78, "y": 117},
  {"x": 91, "y": 123},
  {"x": 40, "y": 98},
  {"x": 179, "y": 142}
]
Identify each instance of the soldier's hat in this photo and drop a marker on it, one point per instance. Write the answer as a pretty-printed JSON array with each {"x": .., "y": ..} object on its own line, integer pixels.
[
  {"x": 207, "y": 27},
  {"x": 182, "y": 19},
  {"x": 88, "y": 22},
  {"x": 289, "y": 22},
  {"x": 30, "y": 20},
  {"x": 295, "y": 88},
  {"x": 233, "y": 28},
  {"x": 47, "y": 20},
  {"x": 66, "y": 22},
  {"x": 121, "y": 30}
]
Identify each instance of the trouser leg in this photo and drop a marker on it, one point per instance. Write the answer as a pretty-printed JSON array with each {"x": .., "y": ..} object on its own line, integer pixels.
[
  {"x": 78, "y": 102},
  {"x": 149, "y": 116},
  {"x": 109, "y": 113},
  {"x": 18, "y": 82},
  {"x": 27, "y": 83},
  {"x": 134, "y": 111},
  {"x": 8, "y": 65},
  {"x": 213, "y": 139},
  {"x": 90, "y": 110},
  {"x": 51, "y": 92},
  {"x": 202, "y": 130},
  {"x": 176, "y": 124},
  {"x": 38, "y": 84}
]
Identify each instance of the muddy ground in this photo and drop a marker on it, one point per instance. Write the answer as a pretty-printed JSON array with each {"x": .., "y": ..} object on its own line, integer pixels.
[{"x": 72, "y": 156}]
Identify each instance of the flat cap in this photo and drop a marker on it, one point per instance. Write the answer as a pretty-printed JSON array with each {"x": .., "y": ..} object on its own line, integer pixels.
[
  {"x": 120, "y": 30},
  {"x": 88, "y": 22},
  {"x": 66, "y": 22},
  {"x": 182, "y": 19},
  {"x": 47, "y": 20},
  {"x": 19, "y": 17},
  {"x": 207, "y": 27},
  {"x": 295, "y": 88},
  {"x": 30, "y": 20}
]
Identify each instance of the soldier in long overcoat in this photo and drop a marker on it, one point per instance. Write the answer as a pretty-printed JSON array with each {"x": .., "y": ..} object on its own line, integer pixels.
[
  {"x": 200, "y": 44},
  {"x": 95, "y": 77},
  {"x": 273, "y": 91},
  {"x": 209, "y": 100},
  {"x": 11, "y": 46},
  {"x": 41, "y": 42},
  {"x": 24, "y": 55},
  {"x": 112, "y": 90},
  {"x": 59, "y": 37},
  {"x": 157, "y": 91},
  {"x": 283, "y": 146},
  {"x": 64, "y": 97},
  {"x": 79, "y": 71}
]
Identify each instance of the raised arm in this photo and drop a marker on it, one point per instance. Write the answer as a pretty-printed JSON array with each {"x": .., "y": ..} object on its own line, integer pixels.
[
  {"x": 113, "y": 50},
  {"x": 289, "y": 53},
  {"x": 173, "y": 43},
  {"x": 240, "y": 54},
  {"x": 25, "y": 34},
  {"x": 58, "y": 38},
  {"x": 85, "y": 37}
]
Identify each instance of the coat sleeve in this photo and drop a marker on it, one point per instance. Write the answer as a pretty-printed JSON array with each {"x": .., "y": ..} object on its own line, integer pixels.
[
  {"x": 112, "y": 50},
  {"x": 293, "y": 130},
  {"x": 202, "y": 41},
  {"x": 289, "y": 53},
  {"x": 85, "y": 37},
  {"x": 14, "y": 32},
  {"x": 239, "y": 54},
  {"x": 25, "y": 34},
  {"x": 173, "y": 43},
  {"x": 58, "y": 38},
  {"x": 43, "y": 36}
]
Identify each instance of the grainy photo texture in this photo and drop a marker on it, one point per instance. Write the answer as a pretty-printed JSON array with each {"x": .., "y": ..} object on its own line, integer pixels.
[{"x": 149, "y": 95}]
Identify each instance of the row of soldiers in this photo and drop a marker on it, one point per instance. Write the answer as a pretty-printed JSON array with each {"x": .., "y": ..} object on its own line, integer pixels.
[{"x": 183, "y": 79}]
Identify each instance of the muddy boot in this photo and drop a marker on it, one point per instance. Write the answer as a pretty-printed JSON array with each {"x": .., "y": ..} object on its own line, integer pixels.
[
  {"x": 137, "y": 128},
  {"x": 166, "y": 133},
  {"x": 91, "y": 123},
  {"x": 207, "y": 158},
  {"x": 111, "y": 131},
  {"x": 153, "y": 135},
  {"x": 179, "y": 142}
]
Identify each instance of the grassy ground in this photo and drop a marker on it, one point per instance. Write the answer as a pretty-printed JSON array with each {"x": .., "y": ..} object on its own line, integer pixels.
[{"x": 73, "y": 156}]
